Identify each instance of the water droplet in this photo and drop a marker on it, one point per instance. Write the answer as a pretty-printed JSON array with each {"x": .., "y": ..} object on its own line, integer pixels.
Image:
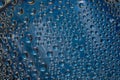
[
  {"x": 0, "y": 25},
  {"x": 81, "y": 48},
  {"x": 50, "y": 53},
  {"x": 33, "y": 11},
  {"x": 62, "y": 64},
  {"x": 31, "y": 2},
  {"x": 21, "y": 11},
  {"x": 55, "y": 47},
  {"x": 2, "y": 3},
  {"x": 24, "y": 55},
  {"x": 34, "y": 53},
  {"x": 81, "y": 4}
]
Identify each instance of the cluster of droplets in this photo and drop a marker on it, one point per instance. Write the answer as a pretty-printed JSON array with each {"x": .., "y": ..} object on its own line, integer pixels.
[{"x": 60, "y": 40}]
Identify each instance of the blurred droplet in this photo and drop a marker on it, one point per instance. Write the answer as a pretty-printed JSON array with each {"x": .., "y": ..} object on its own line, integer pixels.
[{"x": 31, "y": 2}]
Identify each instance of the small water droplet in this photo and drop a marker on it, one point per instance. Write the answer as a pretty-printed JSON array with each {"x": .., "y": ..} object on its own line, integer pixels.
[
  {"x": 24, "y": 55},
  {"x": 21, "y": 11},
  {"x": 42, "y": 69},
  {"x": 81, "y": 48},
  {"x": 49, "y": 53},
  {"x": 81, "y": 5},
  {"x": 34, "y": 53},
  {"x": 33, "y": 11}
]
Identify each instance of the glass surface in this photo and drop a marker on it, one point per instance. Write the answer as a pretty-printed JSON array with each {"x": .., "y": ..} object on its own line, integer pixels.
[{"x": 59, "y": 40}]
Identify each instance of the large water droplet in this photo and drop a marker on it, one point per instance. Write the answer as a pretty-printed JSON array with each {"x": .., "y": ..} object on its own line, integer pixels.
[
  {"x": 31, "y": 2},
  {"x": 2, "y": 3}
]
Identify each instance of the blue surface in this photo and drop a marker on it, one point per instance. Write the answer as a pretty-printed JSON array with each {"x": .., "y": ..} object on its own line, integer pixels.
[{"x": 60, "y": 40}]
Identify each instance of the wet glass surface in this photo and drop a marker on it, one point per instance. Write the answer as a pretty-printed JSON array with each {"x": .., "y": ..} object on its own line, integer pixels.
[{"x": 59, "y": 40}]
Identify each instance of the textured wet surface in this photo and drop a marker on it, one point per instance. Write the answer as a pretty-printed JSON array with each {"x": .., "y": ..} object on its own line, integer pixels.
[{"x": 59, "y": 40}]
